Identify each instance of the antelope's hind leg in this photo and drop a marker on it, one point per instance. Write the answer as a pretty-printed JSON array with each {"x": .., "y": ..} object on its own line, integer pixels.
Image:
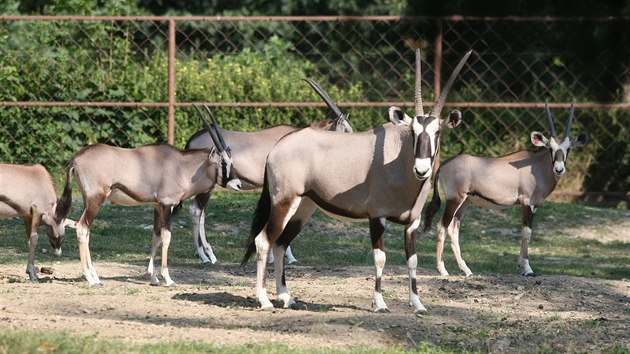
[
  {"x": 377, "y": 233},
  {"x": 281, "y": 212},
  {"x": 301, "y": 216},
  {"x": 161, "y": 234},
  {"x": 527, "y": 218}
]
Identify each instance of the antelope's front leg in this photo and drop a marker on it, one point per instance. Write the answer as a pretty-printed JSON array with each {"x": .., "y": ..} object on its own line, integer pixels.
[
  {"x": 32, "y": 237},
  {"x": 281, "y": 284},
  {"x": 196, "y": 215},
  {"x": 412, "y": 264},
  {"x": 290, "y": 258},
  {"x": 156, "y": 241},
  {"x": 377, "y": 234},
  {"x": 165, "y": 233},
  {"x": 527, "y": 215}
]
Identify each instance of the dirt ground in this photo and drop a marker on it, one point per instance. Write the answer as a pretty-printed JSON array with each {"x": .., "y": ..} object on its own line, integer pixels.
[{"x": 216, "y": 304}]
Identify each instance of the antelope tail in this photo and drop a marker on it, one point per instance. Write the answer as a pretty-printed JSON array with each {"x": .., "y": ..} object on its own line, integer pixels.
[
  {"x": 261, "y": 215},
  {"x": 434, "y": 205},
  {"x": 65, "y": 201}
]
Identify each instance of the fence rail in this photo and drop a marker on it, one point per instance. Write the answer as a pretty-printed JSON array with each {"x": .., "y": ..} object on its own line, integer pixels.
[{"x": 145, "y": 72}]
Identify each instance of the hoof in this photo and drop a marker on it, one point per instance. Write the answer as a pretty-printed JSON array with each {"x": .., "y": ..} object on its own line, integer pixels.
[
  {"x": 421, "y": 311},
  {"x": 295, "y": 262},
  {"x": 532, "y": 274},
  {"x": 171, "y": 285},
  {"x": 381, "y": 310},
  {"x": 96, "y": 285}
]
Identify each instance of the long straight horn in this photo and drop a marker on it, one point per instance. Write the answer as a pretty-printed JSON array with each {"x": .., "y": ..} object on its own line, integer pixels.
[
  {"x": 437, "y": 109},
  {"x": 417, "y": 102},
  {"x": 549, "y": 119},
  {"x": 567, "y": 129},
  {"x": 216, "y": 129},
  {"x": 213, "y": 135},
  {"x": 324, "y": 95}
]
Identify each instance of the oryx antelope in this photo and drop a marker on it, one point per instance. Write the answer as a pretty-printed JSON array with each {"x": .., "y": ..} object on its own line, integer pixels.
[
  {"x": 381, "y": 174},
  {"x": 161, "y": 175},
  {"x": 252, "y": 149},
  {"x": 28, "y": 191},
  {"x": 522, "y": 178}
]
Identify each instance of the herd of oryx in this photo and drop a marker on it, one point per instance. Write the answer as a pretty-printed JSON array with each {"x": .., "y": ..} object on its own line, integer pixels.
[{"x": 381, "y": 174}]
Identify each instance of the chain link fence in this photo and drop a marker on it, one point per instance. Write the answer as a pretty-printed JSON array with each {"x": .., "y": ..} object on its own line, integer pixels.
[{"x": 66, "y": 82}]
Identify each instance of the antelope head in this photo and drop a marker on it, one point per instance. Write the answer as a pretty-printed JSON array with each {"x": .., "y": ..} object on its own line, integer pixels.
[
  {"x": 426, "y": 128},
  {"x": 220, "y": 153},
  {"x": 558, "y": 147}
]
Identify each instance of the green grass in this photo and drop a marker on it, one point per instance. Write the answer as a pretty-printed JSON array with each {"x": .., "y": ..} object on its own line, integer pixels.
[
  {"x": 490, "y": 240},
  {"x": 40, "y": 342}
]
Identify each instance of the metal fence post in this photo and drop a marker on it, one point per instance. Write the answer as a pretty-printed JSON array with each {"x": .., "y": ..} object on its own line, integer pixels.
[
  {"x": 171, "y": 81},
  {"x": 437, "y": 60}
]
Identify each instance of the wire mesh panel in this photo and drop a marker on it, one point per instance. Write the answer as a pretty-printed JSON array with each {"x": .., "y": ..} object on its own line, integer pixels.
[{"x": 66, "y": 82}]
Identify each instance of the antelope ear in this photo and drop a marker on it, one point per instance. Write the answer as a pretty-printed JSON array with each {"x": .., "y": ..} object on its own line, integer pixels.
[
  {"x": 580, "y": 141},
  {"x": 70, "y": 223},
  {"x": 454, "y": 119},
  {"x": 538, "y": 139},
  {"x": 398, "y": 116},
  {"x": 214, "y": 155}
]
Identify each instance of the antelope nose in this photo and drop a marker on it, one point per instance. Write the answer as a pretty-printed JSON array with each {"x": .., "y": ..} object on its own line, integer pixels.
[{"x": 422, "y": 174}]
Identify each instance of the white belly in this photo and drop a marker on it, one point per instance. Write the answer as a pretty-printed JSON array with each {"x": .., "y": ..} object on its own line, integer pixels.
[
  {"x": 118, "y": 197},
  {"x": 484, "y": 203},
  {"x": 341, "y": 218}
]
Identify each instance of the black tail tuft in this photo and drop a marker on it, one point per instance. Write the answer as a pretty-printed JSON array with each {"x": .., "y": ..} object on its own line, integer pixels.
[
  {"x": 434, "y": 205},
  {"x": 65, "y": 201},
  {"x": 261, "y": 216}
]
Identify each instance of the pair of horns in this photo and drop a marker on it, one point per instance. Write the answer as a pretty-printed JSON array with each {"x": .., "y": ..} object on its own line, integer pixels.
[
  {"x": 215, "y": 134},
  {"x": 437, "y": 108},
  {"x": 567, "y": 129},
  {"x": 324, "y": 95}
]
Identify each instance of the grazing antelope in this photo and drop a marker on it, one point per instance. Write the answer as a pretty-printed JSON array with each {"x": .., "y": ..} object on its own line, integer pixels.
[
  {"x": 522, "y": 178},
  {"x": 381, "y": 174},
  {"x": 252, "y": 149},
  {"x": 161, "y": 175},
  {"x": 28, "y": 191}
]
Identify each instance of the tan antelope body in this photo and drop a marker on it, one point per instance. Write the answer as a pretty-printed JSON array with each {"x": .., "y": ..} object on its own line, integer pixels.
[
  {"x": 524, "y": 178},
  {"x": 28, "y": 191},
  {"x": 381, "y": 174},
  {"x": 251, "y": 150},
  {"x": 160, "y": 175}
]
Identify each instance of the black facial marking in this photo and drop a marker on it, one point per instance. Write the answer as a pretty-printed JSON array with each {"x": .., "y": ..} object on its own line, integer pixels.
[
  {"x": 559, "y": 156},
  {"x": 423, "y": 141}
]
